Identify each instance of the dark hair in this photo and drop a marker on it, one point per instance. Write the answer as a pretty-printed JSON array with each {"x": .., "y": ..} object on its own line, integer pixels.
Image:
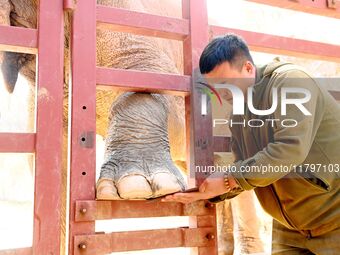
[{"x": 230, "y": 47}]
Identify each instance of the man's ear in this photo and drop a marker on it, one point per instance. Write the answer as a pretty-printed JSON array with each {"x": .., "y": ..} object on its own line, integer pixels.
[{"x": 249, "y": 67}]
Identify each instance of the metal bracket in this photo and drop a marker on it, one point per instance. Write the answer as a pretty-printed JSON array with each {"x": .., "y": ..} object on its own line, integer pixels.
[{"x": 87, "y": 139}]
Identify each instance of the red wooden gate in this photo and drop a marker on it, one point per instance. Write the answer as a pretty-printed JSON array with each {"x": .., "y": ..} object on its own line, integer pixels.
[
  {"x": 47, "y": 41},
  {"x": 46, "y": 142},
  {"x": 84, "y": 209}
]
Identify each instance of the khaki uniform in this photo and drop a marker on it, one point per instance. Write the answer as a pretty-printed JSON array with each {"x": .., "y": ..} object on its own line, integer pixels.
[{"x": 304, "y": 202}]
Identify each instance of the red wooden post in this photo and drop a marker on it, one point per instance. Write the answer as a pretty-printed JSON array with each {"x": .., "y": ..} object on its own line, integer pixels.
[
  {"x": 83, "y": 115},
  {"x": 198, "y": 127},
  {"x": 48, "y": 172}
]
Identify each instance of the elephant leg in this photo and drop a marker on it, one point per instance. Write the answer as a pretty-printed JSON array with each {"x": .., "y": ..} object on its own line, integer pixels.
[
  {"x": 225, "y": 229},
  {"x": 137, "y": 152},
  {"x": 248, "y": 224}
]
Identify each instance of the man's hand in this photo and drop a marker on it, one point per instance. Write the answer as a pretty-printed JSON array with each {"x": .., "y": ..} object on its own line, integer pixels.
[{"x": 213, "y": 186}]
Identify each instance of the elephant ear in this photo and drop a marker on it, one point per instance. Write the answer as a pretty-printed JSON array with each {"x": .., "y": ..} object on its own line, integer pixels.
[{"x": 10, "y": 67}]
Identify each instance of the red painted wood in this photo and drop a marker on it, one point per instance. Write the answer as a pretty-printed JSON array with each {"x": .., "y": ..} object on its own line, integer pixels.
[
  {"x": 19, "y": 251},
  {"x": 319, "y": 7},
  {"x": 83, "y": 121},
  {"x": 18, "y": 39},
  {"x": 198, "y": 127},
  {"x": 143, "y": 81},
  {"x": 142, "y": 23},
  {"x": 48, "y": 172},
  {"x": 101, "y": 244},
  {"x": 283, "y": 45},
  {"x": 101, "y": 210},
  {"x": 17, "y": 142},
  {"x": 69, "y": 5}
]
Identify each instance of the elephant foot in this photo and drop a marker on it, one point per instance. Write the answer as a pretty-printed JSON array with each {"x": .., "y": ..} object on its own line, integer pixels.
[
  {"x": 137, "y": 187},
  {"x": 106, "y": 190},
  {"x": 128, "y": 179},
  {"x": 164, "y": 183},
  {"x": 134, "y": 187},
  {"x": 137, "y": 149}
]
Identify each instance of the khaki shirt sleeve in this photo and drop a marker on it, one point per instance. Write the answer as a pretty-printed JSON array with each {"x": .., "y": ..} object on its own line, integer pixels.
[{"x": 291, "y": 145}]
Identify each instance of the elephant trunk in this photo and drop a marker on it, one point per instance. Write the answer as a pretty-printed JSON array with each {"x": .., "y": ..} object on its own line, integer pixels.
[{"x": 10, "y": 67}]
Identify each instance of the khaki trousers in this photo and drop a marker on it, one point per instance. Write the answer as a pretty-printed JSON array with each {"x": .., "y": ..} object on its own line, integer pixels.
[{"x": 290, "y": 242}]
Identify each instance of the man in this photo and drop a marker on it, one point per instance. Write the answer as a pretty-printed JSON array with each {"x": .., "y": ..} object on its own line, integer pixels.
[{"x": 302, "y": 141}]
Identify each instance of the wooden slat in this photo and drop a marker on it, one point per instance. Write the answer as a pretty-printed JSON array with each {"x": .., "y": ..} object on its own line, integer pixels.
[
  {"x": 199, "y": 135},
  {"x": 19, "y": 251},
  {"x": 143, "y": 81},
  {"x": 18, "y": 39},
  {"x": 49, "y": 134},
  {"x": 101, "y": 244},
  {"x": 123, "y": 20},
  {"x": 274, "y": 44},
  {"x": 101, "y": 210},
  {"x": 17, "y": 142},
  {"x": 319, "y": 7},
  {"x": 83, "y": 119}
]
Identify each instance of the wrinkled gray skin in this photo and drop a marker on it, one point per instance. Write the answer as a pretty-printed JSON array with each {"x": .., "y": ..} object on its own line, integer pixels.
[{"x": 138, "y": 142}]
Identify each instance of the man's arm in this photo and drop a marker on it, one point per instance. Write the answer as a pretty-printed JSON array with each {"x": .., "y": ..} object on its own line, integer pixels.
[{"x": 237, "y": 154}]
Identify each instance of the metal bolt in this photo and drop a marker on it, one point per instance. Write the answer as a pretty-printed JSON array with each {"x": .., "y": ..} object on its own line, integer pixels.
[
  {"x": 83, "y": 210},
  {"x": 210, "y": 236},
  {"x": 209, "y": 205},
  {"x": 82, "y": 246}
]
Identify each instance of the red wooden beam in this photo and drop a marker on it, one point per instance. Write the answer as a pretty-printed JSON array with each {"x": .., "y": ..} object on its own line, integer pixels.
[
  {"x": 101, "y": 244},
  {"x": 18, "y": 39},
  {"x": 83, "y": 115},
  {"x": 17, "y": 142},
  {"x": 318, "y": 7},
  {"x": 19, "y": 251},
  {"x": 143, "y": 81},
  {"x": 198, "y": 127},
  {"x": 274, "y": 44},
  {"x": 101, "y": 210},
  {"x": 142, "y": 23},
  {"x": 49, "y": 123}
]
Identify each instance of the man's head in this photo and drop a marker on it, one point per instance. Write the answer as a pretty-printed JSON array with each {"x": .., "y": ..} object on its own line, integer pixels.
[{"x": 226, "y": 59}]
